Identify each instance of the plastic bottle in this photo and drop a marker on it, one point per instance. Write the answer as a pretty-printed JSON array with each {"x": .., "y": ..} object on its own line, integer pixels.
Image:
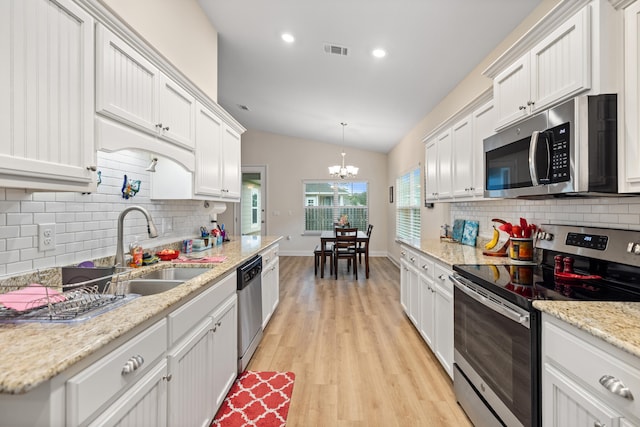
[{"x": 136, "y": 253}]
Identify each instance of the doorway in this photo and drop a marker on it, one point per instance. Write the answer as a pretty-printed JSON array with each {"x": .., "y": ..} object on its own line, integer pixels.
[{"x": 253, "y": 201}]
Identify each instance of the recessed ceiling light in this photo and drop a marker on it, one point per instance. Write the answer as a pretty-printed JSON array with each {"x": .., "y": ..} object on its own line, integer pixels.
[
  {"x": 288, "y": 38},
  {"x": 379, "y": 53}
]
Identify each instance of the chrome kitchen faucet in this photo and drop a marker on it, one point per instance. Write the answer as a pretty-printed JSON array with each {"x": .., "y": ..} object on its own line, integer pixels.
[{"x": 151, "y": 229}]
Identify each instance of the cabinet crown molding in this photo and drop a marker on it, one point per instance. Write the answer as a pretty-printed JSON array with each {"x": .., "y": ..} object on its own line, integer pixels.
[{"x": 556, "y": 16}]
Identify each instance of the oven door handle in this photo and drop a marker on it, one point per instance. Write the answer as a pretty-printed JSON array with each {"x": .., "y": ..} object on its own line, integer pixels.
[{"x": 507, "y": 312}]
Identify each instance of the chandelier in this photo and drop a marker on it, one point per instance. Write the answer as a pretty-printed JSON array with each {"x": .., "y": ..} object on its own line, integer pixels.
[{"x": 343, "y": 171}]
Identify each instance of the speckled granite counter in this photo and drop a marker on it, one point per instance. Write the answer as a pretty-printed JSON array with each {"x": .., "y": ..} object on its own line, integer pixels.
[
  {"x": 33, "y": 353},
  {"x": 455, "y": 253},
  {"x": 617, "y": 323}
]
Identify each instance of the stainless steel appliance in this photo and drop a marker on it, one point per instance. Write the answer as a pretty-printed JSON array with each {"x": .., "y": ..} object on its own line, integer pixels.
[
  {"x": 497, "y": 330},
  {"x": 249, "y": 310},
  {"x": 567, "y": 150}
]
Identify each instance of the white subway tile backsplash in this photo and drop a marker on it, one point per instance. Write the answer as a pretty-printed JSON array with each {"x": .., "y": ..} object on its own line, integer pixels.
[
  {"x": 86, "y": 224},
  {"x": 612, "y": 212}
]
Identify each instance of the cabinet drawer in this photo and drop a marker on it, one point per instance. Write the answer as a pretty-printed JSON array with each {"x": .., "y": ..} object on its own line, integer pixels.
[
  {"x": 588, "y": 359},
  {"x": 186, "y": 317},
  {"x": 269, "y": 255},
  {"x": 99, "y": 383},
  {"x": 441, "y": 277}
]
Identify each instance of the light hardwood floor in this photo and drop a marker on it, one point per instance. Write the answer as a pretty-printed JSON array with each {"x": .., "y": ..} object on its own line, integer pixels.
[{"x": 357, "y": 358}]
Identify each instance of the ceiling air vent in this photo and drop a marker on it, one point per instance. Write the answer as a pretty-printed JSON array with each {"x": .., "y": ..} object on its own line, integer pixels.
[{"x": 335, "y": 49}]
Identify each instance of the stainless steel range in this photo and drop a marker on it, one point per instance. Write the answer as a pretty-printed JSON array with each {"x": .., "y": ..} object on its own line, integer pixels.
[{"x": 497, "y": 330}]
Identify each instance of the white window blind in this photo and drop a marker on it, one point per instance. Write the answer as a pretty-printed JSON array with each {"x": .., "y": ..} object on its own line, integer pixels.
[{"x": 408, "y": 206}]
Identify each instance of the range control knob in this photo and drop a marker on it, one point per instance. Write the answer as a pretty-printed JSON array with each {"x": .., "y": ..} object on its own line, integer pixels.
[
  {"x": 547, "y": 236},
  {"x": 630, "y": 246},
  {"x": 636, "y": 249}
]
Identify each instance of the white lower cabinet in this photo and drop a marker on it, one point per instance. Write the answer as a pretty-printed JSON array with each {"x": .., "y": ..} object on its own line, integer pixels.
[
  {"x": 143, "y": 405},
  {"x": 576, "y": 371},
  {"x": 270, "y": 283},
  {"x": 426, "y": 296},
  {"x": 224, "y": 352}
]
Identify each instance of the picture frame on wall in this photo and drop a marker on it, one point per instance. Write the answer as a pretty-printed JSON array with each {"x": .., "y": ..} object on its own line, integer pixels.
[{"x": 391, "y": 194}]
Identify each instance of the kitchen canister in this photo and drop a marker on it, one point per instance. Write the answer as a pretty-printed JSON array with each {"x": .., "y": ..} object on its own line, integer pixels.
[{"x": 521, "y": 249}]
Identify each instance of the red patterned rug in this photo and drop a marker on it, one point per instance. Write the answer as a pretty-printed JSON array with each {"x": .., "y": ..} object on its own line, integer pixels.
[{"x": 259, "y": 399}]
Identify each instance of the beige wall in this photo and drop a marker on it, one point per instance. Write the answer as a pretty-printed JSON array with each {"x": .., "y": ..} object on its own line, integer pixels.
[
  {"x": 180, "y": 31},
  {"x": 289, "y": 161},
  {"x": 403, "y": 155}
]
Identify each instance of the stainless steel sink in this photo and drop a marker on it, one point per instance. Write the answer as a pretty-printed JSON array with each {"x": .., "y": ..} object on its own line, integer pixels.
[
  {"x": 150, "y": 287},
  {"x": 174, "y": 274},
  {"x": 161, "y": 280}
]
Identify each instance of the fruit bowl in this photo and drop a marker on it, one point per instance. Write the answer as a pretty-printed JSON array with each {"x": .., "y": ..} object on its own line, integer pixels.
[{"x": 168, "y": 254}]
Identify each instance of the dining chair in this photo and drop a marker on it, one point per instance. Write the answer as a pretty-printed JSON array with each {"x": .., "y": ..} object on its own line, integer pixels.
[
  {"x": 345, "y": 247},
  {"x": 328, "y": 253},
  {"x": 363, "y": 248}
]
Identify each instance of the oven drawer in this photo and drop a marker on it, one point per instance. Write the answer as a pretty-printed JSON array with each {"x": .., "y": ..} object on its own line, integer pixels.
[{"x": 590, "y": 360}]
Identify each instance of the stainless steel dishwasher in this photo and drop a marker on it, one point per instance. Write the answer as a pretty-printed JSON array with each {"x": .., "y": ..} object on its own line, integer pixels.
[{"x": 249, "y": 310}]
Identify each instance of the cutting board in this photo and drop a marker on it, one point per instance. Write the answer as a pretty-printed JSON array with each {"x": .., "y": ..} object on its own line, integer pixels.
[
  {"x": 470, "y": 233},
  {"x": 458, "y": 228}
]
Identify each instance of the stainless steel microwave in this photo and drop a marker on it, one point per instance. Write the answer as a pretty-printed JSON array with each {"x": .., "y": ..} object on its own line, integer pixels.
[{"x": 570, "y": 149}]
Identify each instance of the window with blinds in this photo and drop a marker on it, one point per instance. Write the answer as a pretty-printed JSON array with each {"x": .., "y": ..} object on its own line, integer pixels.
[
  {"x": 325, "y": 202},
  {"x": 408, "y": 205}
]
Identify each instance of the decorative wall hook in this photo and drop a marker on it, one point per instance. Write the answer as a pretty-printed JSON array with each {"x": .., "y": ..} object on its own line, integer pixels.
[{"x": 130, "y": 187}]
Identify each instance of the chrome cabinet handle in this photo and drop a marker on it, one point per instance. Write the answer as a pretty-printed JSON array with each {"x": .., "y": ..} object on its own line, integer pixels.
[
  {"x": 132, "y": 364},
  {"x": 530, "y": 102},
  {"x": 167, "y": 378},
  {"x": 425, "y": 267},
  {"x": 522, "y": 107},
  {"x": 165, "y": 128},
  {"x": 92, "y": 168},
  {"x": 442, "y": 277},
  {"x": 159, "y": 125},
  {"x": 599, "y": 424},
  {"x": 616, "y": 386},
  {"x": 412, "y": 259}
]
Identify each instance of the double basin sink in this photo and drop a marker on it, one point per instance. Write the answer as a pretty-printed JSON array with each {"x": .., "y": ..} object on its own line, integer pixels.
[{"x": 159, "y": 281}]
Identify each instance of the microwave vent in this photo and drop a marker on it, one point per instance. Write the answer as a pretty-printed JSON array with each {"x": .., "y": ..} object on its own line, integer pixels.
[{"x": 334, "y": 49}]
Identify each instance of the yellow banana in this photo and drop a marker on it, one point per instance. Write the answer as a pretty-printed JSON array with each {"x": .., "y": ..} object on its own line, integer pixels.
[
  {"x": 496, "y": 272},
  {"x": 494, "y": 241}
]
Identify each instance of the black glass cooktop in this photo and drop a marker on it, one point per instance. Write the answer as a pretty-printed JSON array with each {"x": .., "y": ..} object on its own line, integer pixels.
[{"x": 522, "y": 284}]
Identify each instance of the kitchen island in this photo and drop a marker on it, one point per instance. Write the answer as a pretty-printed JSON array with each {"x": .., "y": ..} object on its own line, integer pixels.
[{"x": 36, "y": 359}]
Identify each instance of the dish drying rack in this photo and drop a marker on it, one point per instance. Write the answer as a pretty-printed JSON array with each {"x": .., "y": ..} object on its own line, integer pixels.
[{"x": 83, "y": 301}]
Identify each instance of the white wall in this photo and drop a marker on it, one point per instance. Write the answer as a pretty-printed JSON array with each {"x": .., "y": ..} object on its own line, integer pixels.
[
  {"x": 86, "y": 223},
  {"x": 289, "y": 161},
  {"x": 404, "y": 155},
  {"x": 180, "y": 31}
]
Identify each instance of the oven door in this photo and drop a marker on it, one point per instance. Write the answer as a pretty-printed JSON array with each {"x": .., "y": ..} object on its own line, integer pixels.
[{"x": 494, "y": 350}]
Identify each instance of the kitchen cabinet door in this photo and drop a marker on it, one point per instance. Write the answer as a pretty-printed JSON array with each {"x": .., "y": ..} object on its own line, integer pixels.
[
  {"x": 629, "y": 156},
  {"x": 177, "y": 113},
  {"x": 484, "y": 122},
  {"x": 190, "y": 393},
  {"x": 231, "y": 164},
  {"x": 143, "y": 404},
  {"x": 224, "y": 360},
  {"x": 127, "y": 84},
  {"x": 560, "y": 64},
  {"x": 566, "y": 404},
  {"x": 46, "y": 96},
  {"x": 511, "y": 91},
  {"x": 431, "y": 170},
  {"x": 208, "y": 171},
  {"x": 462, "y": 158},
  {"x": 427, "y": 296},
  {"x": 443, "y": 336},
  {"x": 444, "y": 167}
]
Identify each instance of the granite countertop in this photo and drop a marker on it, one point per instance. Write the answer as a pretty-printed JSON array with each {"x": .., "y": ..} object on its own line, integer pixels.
[
  {"x": 617, "y": 323},
  {"x": 452, "y": 253},
  {"x": 32, "y": 353}
]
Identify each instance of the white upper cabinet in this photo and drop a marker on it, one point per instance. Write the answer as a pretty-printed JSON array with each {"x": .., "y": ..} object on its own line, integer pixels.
[
  {"x": 46, "y": 96},
  {"x": 629, "y": 153},
  {"x": 558, "y": 67},
  {"x": 454, "y": 154},
  {"x": 130, "y": 89},
  {"x": 208, "y": 175},
  {"x": 231, "y": 175},
  {"x": 484, "y": 121},
  {"x": 462, "y": 158}
]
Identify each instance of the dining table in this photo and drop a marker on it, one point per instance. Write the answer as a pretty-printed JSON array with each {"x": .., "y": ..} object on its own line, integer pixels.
[{"x": 329, "y": 236}]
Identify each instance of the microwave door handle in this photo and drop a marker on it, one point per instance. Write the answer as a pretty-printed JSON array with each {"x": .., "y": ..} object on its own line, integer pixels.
[{"x": 533, "y": 146}]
